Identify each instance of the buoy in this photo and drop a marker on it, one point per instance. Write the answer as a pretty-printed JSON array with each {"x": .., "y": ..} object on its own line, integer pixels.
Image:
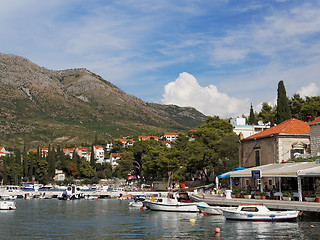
[
  {"x": 120, "y": 198},
  {"x": 192, "y": 220},
  {"x": 141, "y": 208},
  {"x": 96, "y": 198},
  {"x": 216, "y": 229},
  {"x": 312, "y": 226}
]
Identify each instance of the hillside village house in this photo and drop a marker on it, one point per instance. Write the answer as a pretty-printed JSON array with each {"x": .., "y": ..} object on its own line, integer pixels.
[
  {"x": 3, "y": 151},
  {"x": 125, "y": 142},
  {"x": 68, "y": 152},
  {"x": 98, "y": 154},
  {"x": 84, "y": 152},
  {"x": 315, "y": 137},
  {"x": 241, "y": 128},
  {"x": 171, "y": 137},
  {"x": 114, "y": 158},
  {"x": 143, "y": 138}
]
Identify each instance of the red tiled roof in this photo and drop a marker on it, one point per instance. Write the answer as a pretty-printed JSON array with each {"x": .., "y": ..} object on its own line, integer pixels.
[
  {"x": 317, "y": 120},
  {"x": 292, "y": 125},
  {"x": 115, "y": 154}
]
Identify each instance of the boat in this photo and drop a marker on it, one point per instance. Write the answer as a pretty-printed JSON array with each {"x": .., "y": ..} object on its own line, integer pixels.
[
  {"x": 8, "y": 197},
  {"x": 71, "y": 193},
  {"x": 174, "y": 202},
  {"x": 91, "y": 196},
  {"x": 206, "y": 209},
  {"x": 258, "y": 213},
  {"x": 7, "y": 205},
  {"x": 137, "y": 201}
]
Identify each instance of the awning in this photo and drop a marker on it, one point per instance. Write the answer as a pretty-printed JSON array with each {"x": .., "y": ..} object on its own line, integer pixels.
[
  {"x": 288, "y": 169},
  {"x": 282, "y": 170},
  {"x": 227, "y": 174},
  {"x": 247, "y": 172},
  {"x": 315, "y": 171}
]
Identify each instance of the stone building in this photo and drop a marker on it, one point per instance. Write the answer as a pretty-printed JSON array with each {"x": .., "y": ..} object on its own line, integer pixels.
[
  {"x": 274, "y": 145},
  {"x": 315, "y": 137}
]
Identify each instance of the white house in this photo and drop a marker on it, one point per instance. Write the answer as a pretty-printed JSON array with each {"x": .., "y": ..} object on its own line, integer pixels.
[
  {"x": 114, "y": 158},
  {"x": 68, "y": 152},
  {"x": 3, "y": 151},
  {"x": 125, "y": 142},
  {"x": 83, "y": 152},
  {"x": 143, "y": 138},
  {"x": 240, "y": 127},
  {"x": 98, "y": 154},
  {"x": 171, "y": 137}
]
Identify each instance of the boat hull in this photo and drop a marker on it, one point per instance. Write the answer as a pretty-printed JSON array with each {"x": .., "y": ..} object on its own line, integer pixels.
[
  {"x": 268, "y": 217},
  {"x": 174, "y": 207},
  {"x": 7, "y": 205}
]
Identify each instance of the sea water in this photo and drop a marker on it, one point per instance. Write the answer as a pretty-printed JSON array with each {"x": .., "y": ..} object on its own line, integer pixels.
[{"x": 114, "y": 219}]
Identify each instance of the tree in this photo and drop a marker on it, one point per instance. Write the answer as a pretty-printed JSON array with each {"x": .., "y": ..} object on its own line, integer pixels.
[
  {"x": 206, "y": 150},
  {"x": 296, "y": 103},
  {"x": 252, "y": 119},
  {"x": 86, "y": 170},
  {"x": 92, "y": 157},
  {"x": 267, "y": 114},
  {"x": 283, "y": 112}
]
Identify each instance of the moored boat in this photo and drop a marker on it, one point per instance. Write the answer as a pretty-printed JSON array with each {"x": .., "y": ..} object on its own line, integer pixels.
[
  {"x": 7, "y": 205},
  {"x": 258, "y": 213},
  {"x": 206, "y": 209},
  {"x": 174, "y": 202}
]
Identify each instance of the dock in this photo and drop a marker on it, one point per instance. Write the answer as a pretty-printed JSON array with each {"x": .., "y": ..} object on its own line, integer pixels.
[{"x": 307, "y": 208}]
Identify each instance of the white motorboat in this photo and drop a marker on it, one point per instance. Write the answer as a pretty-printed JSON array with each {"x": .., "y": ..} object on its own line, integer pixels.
[
  {"x": 259, "y": 213},
  {"x": 71, "y": 193},
  {"x": 91, "y": 197},
  {"x": 206, "y": 209},
  {"x": 174, "y": 202},
  {"x": 8, "y": 197},
  {"x": 7, "y": 205},
  {"x": 136, "y": 204}
]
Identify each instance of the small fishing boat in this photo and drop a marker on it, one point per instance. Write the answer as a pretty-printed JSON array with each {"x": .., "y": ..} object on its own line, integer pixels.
[
  {"x": 7, "y": 205},
  {"x": 259, "y": 213},
  {"x": 206, "y": 209},
  {"x": 174, "y": 202}
]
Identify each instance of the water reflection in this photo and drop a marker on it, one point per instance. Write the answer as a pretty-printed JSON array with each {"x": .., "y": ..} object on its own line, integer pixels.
[{"x": 113, "y": 219}]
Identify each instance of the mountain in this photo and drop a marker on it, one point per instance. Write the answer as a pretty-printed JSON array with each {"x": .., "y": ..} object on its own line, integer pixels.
[{"x": 41, "y": 106}]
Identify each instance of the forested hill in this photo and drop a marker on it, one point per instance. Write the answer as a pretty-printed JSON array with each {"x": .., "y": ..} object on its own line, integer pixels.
[{"x": 41, "y": 106}]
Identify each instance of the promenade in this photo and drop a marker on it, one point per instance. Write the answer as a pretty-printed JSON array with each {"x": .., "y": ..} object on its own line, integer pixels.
[{"x": 306, "y": 207}]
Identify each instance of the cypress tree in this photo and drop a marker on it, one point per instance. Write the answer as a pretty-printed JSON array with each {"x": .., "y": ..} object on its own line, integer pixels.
[
  {"x": 92, "y": 158},
  {"x": 252, "y": 119},
  {"x": 25, "y": 163},
  {"x": 283, "y": 111}
]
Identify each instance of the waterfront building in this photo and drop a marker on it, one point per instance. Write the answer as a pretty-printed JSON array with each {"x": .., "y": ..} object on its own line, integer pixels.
[
  {"x": 274, "y": 145},
  {"x": 315, "y": 137}
]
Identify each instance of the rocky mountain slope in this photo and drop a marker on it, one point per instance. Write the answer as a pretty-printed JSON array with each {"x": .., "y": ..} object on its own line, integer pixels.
[{"x": 41, "y": 106}]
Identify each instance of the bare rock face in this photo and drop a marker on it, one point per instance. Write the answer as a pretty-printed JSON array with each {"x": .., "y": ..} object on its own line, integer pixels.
[{"x": 60, "y": 102}]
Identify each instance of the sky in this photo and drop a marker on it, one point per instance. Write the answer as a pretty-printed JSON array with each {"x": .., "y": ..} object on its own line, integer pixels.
[{"x": 219, "y": 56}]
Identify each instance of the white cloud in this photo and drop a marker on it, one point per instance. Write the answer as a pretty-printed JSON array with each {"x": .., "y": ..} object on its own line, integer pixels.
[
  {"x": 186, "y": 92},
  {"x": 310, "y": 90}
]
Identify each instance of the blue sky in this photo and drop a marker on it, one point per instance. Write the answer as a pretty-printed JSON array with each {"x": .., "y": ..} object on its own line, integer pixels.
[{"x": 231, "y": 53}]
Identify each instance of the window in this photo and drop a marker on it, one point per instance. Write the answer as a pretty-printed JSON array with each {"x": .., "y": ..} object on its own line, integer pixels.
[
  {"x": 257, "y": 157},
  {"x": 247, "y": 182},
  {"x": 270, "y": 182}
]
